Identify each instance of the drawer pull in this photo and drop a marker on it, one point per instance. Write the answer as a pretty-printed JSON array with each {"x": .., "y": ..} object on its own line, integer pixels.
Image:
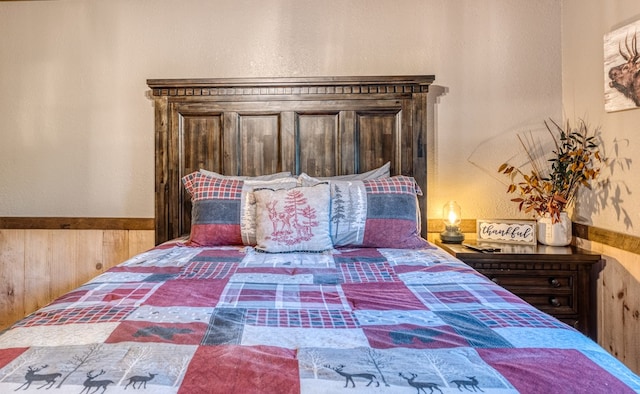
[
  {"x": 554, "y": 301},
  {"x": 554, "y": 282}
]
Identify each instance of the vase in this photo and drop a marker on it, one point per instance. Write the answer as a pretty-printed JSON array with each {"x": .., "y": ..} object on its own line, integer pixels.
[{"x": 555, "y": 234}]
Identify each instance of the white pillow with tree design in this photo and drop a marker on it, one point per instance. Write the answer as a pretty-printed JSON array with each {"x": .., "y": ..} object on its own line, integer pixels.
[{"x": 293, "y": 220}]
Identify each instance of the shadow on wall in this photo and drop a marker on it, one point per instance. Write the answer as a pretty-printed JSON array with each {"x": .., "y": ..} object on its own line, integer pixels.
[
  {"x": 611, "y": 190},
  {"x": 433, "y": 99},
  {"x": 608, "y": 193}
]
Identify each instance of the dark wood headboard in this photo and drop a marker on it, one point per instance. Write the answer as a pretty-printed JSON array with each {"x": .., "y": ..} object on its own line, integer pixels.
[{"x": 322, "y": 126}]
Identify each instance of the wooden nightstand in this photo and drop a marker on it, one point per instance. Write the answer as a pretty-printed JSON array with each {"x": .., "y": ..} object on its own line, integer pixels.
[{"x": 556, "y": 280}]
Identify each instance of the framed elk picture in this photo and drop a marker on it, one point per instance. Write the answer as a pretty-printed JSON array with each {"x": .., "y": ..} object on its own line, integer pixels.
[{"x": 622, "y": 68}]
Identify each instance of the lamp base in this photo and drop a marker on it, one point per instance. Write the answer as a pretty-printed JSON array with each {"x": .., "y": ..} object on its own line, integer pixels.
[{"x": 451, "y": 236}]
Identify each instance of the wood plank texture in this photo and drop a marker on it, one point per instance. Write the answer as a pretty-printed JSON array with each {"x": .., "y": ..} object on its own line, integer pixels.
[
  {"x": 37, "y": 278},
  {"x": 622, "y": 241},
  {"x": 322, "y": 126},
  {"x": 12, "y": 276},
  {"x": 36, "y": 266},
  {"x": 76, "y": 223},
  {"x": 618, "y": 302},
  {"x": 620, "y": 314}
]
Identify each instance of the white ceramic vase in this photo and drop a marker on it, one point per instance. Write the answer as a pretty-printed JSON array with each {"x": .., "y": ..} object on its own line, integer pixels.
[{"x": 555, "y": 234}]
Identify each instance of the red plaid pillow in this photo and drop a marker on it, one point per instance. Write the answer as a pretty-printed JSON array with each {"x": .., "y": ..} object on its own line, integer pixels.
[
  {"x": 223, "y": 208},
  {"x": 393, "y": 215},
  {"x": 215, "y": 211}
]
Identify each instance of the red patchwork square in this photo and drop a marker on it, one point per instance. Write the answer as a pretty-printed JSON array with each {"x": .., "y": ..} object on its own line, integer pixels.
[
  {"x": 241, "y": 369},
  {"x": 386, "y": 296},
  {"x": 187, "y": 292},
  {"x": 524, "y": 367},
  {"x": 7, "y": 355}
]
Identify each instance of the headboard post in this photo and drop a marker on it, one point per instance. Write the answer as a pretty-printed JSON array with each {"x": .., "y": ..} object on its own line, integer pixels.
[
  {"x": 250, "y": 126},
  {"x": 161, "y": 172}
]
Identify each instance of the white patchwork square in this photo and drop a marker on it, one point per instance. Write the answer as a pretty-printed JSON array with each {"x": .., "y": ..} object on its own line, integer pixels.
[
  {"x": 295, "y": 338},
  {"x": 69, "y": 334}
]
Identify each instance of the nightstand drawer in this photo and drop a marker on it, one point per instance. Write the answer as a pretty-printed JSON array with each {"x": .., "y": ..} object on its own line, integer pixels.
[
  {"x": 555, "y": 280},
  {"x": 554, "y": 304},
  {"x": 552, "y": 292},
  {"x": 552, "y": 281}
]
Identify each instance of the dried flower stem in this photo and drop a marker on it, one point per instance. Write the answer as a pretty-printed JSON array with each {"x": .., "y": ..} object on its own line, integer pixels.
[{"x": 575, "y": 163}]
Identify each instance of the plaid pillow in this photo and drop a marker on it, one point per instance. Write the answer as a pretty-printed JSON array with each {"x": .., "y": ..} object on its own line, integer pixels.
[
  {"x": 215, "y": 210},
  {"x": 293, "y": 220},
  {"x": 223, "y": 209},
  {"x": 393, "y": 216},
  {"x": 379, "y": 213}
]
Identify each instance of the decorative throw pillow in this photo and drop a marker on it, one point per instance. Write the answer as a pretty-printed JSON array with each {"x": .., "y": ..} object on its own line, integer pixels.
[
  {"x": 293, "y": 220},
  {"x": 393, "y": 215},
  {"x": 223, "y": 209},
  {"x": 248, "y": 203},
  {"x": 379, "y": 213},
  {"x": 215, "y": 210}
]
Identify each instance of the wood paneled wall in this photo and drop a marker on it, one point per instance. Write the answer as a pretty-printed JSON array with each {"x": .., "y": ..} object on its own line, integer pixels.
[
  {"x": 38, "y": 265},
  {"x": 617, "y": 296}
]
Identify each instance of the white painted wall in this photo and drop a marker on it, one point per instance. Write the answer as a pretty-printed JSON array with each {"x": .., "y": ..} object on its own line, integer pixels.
[
  {"x": 615, "y": 205},
  {"x": 77, "y": 129}
]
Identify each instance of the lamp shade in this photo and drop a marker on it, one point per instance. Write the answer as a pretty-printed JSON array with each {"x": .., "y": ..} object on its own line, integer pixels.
[{"x": 452, "y": 216}]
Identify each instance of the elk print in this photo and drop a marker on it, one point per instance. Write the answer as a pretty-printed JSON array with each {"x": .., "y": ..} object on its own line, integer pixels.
[
  {"x": 348, "y": 376},
  {"x": 292, "y": 220},
  {"x": 92, "y": 385},
  {"x": 420, "y": 386},
  {"x": 622, "y": 69},
  {"x": 32, "y": 375}
]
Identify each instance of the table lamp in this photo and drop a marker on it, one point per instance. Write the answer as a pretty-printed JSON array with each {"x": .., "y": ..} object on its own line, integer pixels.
[{"x": 451, "y": 215}]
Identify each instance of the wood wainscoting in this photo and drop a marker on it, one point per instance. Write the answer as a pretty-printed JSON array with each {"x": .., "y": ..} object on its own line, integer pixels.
[{"x": 42, "y": 258}]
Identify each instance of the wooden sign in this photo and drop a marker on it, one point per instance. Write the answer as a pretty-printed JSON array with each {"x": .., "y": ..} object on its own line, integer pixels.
[{"x": 508, "y": 231}]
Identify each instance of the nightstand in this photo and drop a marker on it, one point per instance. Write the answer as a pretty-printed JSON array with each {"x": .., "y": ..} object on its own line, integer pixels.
[{"x": 556, "y": 280}]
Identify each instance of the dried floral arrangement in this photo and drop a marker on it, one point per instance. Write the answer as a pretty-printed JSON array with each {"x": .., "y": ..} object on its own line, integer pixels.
[{"x": 552, "y": 184}]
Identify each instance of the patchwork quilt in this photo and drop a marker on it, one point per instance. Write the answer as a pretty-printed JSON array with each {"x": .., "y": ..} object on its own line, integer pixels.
[{"x": 229, "y": 319}]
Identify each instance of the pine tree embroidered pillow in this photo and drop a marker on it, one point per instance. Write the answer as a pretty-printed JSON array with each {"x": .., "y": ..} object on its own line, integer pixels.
[
  {"x": 376, "y": 213},
  {"x": 293, "y": 220}
]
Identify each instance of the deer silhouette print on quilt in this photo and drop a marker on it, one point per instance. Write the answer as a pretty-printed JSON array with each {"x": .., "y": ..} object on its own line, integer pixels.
[
  {"x": 90, "y": 383},
  {"x": 420, "y": 386},
  {"x": 141, "y": 380},
  {"x": 472, "y": 382},
  {"x": 349, "y": 376},
  {"x": 31, "y": 376}
]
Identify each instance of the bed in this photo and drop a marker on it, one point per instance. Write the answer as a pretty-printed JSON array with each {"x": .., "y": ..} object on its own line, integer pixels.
[{"x": 291, "y": 258}]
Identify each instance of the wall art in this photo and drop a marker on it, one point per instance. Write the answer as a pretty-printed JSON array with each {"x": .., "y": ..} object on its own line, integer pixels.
[{"x": 622, "y": 68}]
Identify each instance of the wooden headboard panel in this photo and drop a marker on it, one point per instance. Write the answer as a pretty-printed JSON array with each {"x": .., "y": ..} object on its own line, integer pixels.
[{"x": 250, "y": 126}]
